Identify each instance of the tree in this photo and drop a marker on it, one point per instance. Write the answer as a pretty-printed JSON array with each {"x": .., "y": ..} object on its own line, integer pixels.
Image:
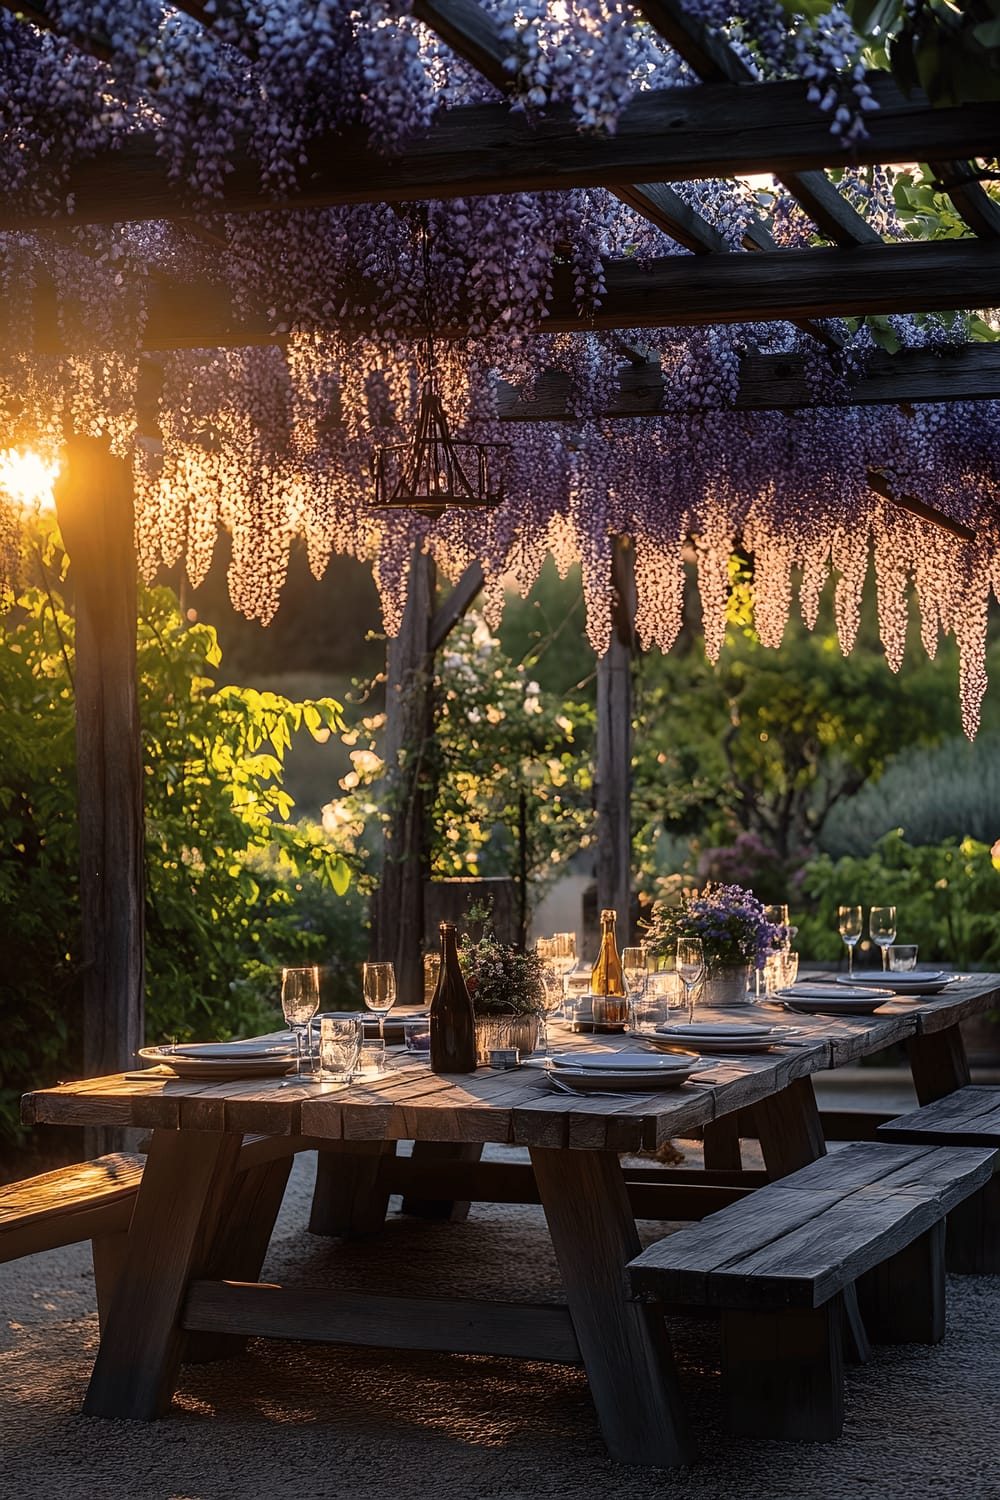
[
  {"x": 765, "y": 743},
  {"x": 229, "y": 878}
]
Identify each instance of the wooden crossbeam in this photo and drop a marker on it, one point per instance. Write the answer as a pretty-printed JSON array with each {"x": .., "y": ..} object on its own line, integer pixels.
[
  {"x": 912, "y": 276},
  {"x": 712, "y": 131},
  {"x": 475, "y": 36},
  {"x": 883, "y": 485},
  {"x": 978, "y": 209},
  {"x": 715, "y": 61},
  {"x": 779, "y": 382}
]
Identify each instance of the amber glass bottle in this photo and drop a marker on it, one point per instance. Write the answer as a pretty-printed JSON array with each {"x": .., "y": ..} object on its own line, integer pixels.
[
  {"x": 606, "y": 977},
  {"x": 453, "y": 1025},
  {"x": 607, "y": 983}
]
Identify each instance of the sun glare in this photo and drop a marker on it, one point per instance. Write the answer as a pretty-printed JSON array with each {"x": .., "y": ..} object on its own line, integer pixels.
[{"x": 27, "y": 479}]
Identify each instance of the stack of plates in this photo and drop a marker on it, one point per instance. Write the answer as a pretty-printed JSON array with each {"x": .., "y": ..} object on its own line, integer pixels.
[
  {"x": 722, "y": 1036},
  {"x": 625, "y": 1071},
  {"x": 263, "y": 1057},
  {"x": 915, "y": 982},
  {"x": 833, "y": 999}
]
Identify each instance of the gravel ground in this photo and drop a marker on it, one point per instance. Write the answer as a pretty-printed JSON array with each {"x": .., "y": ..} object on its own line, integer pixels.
[{"x": 305, "y": 1422}]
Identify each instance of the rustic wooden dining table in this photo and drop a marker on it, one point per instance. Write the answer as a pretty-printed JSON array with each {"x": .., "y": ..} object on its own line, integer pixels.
[{"x": 219, "y": 1156}]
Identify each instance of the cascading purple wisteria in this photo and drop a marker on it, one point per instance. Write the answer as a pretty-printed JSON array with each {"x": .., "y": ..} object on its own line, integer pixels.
[{"x": 274, "y": 442}]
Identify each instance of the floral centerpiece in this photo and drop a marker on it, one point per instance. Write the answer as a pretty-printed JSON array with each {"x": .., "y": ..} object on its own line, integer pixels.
[
  {"x": 733, "y": 926},
  {"x": 506, "y": 987}
]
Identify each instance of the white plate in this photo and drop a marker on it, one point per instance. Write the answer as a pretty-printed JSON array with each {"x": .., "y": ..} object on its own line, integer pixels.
[
  {"x": 253, "y": 1047},
  {"x": 598, "y": 1080},
  {"x": 620, "y": 1062},
  {"x": 834, "y": 1006},
  {"x": 916, "y": 983},
  {"x": 698, "y": 1029},
  {"x": 218, "y": 1068},
  {"x": 730, "y": 1046},
  {"x": 834, "y": 992}
]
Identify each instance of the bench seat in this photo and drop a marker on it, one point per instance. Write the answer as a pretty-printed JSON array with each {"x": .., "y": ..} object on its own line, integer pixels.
[
  {"x": 779, "y": 1263},
  {"x": 968, "y": 1116},
  {"x": 90, "y": 1200}
]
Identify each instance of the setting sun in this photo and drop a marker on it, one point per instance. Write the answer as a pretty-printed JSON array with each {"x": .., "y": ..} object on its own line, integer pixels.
[{"x": 26, "y": 478}]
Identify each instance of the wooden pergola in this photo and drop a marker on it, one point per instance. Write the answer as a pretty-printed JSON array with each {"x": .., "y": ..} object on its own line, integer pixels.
[{"x": 727, "y": 125}]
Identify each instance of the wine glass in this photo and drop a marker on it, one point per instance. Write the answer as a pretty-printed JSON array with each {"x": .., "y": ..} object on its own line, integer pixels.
[
  {"x": 690, "y": 969},
  {"x": 299, "y": 1003},
  {"x": 549, "y": 1001},
  {"x": 849, "y": 922},
  {"x": 635, "y": 972},
  {"x": 379, "y": 986},
  {"x": 564, "y": 956},
  {"x": 882, "y": 926}
]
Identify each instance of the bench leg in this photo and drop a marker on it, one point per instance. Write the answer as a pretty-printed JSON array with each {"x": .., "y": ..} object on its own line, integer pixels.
[
  {"x": 903, "y": 1299},
  {"x": 348, "y": 1199},
  {"x": 972, "y": 1242},
  {"x": 783, "y": 1372},
  {"x": 108, "y": 1251}
]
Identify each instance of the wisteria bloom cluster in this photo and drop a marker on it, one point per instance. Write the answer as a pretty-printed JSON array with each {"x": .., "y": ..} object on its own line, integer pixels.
[
  {"x": 272, "y": 441},
  {"x": 731, "y": 923}
]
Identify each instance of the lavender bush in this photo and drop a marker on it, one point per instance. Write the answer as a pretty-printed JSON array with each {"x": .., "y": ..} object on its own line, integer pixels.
[{"x": 729, "y": 920}]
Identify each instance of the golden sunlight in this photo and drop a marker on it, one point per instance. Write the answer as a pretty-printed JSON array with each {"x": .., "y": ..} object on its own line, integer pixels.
[{"x": 27, "y": 479}]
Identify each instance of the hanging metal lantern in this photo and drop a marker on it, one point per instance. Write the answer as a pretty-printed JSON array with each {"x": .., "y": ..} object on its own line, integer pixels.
[{"x": 433, "y": 472}]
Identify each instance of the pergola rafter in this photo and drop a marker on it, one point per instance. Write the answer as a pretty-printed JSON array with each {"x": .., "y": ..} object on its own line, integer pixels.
[
  {"x": 681, "y": 291},
  {"x": 664, "y": 135},
  {"x": 778, "y": 382}
]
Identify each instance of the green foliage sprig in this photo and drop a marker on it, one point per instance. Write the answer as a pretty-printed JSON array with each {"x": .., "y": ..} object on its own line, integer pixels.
[
  {"x": 234, "y": 888},
  {"x": 501, "y": 979}
]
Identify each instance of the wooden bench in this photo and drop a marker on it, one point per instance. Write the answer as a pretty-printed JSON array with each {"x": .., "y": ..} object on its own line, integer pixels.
[
  {"x": 779, "y": 1263},
  {"x": 91, "y": 1200},
  {"x": 968, "y": 1116}
]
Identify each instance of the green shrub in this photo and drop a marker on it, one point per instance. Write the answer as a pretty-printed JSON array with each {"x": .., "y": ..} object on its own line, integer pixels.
[
  {"x": 947, "y": 899},
  {"x": 950, "y": 791},
  {"x": 234, "y": 889}
]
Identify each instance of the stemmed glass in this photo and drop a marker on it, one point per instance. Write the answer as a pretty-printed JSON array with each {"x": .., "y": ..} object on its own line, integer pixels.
[
  {"x": 564, "y": 956},
  {"x": 551, "y": 996},
  {"x": 849, "y": 922},
  {"x": 635, "y": 971},
  {"x": 378, "y": 982},
  {"x": 882, "y": 926},
  {"x": 299, "y": 1003},
  {"x": 690, "y": 969}
]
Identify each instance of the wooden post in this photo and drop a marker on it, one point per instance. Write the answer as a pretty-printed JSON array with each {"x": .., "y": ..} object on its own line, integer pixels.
[
  {"x": 614, "y": 748},
  {"x": 94, "y": 506},
  {"x": 398, "y": 908}
]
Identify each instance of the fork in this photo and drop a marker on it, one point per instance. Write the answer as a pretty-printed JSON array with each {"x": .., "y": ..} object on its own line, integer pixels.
[{"x": 567, "y": 1088}]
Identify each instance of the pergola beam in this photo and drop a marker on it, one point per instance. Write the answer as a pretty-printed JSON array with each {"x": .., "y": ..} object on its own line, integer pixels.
[
  {"x": 683, "y": 291},
  {"x": 711, "y": 131},
  {"x": 779, "y": 382},
  {"x": 715, "y": 61}
]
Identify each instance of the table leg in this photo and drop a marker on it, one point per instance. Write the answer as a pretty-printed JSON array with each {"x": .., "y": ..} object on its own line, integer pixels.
[
  {"x": 789, "y": 1129},
  {"x": 185, "y": 1186},
  {"x": 240, "y": 1245},
  {"x": 938, "y": 1063},
  {"x": 347, "y": 1198},
  {"x": 624, "y": 1343},
  {"x": 722, "y": 1144},
  {"x": 442, "y": 1208}
]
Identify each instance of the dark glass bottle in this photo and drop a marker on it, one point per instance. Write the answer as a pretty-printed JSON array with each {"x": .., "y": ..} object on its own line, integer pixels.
[{"x": 453, "y": 1025}]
